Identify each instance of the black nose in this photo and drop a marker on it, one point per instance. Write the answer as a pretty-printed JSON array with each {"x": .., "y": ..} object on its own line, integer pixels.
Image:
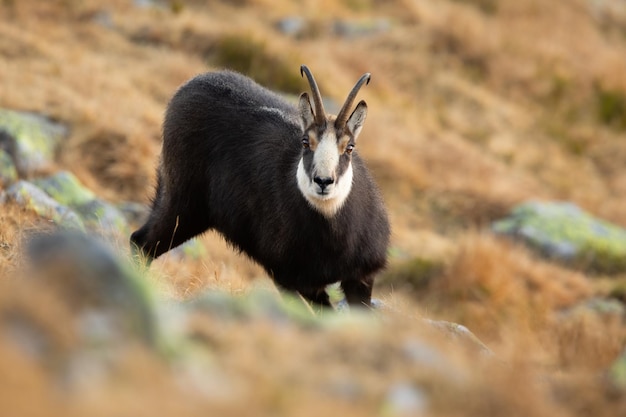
[{"x": 323, "y": 182}]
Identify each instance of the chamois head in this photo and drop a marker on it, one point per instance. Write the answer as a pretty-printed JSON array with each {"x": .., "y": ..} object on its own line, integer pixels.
[{"x": 325, "y": 170}]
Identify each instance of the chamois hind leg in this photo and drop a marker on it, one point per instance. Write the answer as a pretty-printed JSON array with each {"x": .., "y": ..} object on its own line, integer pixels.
[
  {"x": 172, "y": 221},
  {"x": 358, "y": 293}
]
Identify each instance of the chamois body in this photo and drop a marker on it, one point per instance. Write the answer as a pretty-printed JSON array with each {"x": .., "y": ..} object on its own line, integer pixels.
[{"x": 230, "y": 159}]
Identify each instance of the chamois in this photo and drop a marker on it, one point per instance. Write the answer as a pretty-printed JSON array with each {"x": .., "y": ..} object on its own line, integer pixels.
[{"x": 281, "y": 183}]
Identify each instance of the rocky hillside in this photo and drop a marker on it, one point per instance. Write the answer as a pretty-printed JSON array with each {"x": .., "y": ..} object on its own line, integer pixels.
[{"x": 496, "y": 132}]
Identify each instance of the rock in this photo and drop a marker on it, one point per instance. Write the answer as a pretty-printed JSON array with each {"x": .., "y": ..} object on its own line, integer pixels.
[
  {"x": 101, "y": 216},
  {"x": 8, "y": 172},
  {"x": 104, "y": 19},
  {"x": 292, "y": 26},
  {"x": 35, "y": 138},
  {"x": 617, "y": 372},
  {"x": 149, "y": 3},
  {"x": 364, "y": 28},
  {"x": 135, "y": 213},
  {"x": 64, "y": 200},
  {"x": 31, "y": 197},
  {"x": 564, "y": 232},
  {"x": 404, "y": 399},
  {"x": 259, "y": 303},
  {"x": 604, "y": 307},
  {"x": 110, "y": 302},
  {"x": 65, "y": 188},
  {"x": 192, "y": 249},
  {"x": 218, "y": 303},
  {"x": 97, "y": 215}
]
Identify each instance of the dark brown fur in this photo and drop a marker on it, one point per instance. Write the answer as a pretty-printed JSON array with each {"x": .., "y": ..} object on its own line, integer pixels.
[{"x": 229, "y": 164}]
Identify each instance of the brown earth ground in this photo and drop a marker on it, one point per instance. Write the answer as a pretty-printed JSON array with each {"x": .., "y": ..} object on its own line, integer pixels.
[{"x": 475, "y": 105}]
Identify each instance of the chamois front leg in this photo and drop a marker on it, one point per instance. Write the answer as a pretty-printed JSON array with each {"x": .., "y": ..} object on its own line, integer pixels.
[{"x": 358, "y": 293}]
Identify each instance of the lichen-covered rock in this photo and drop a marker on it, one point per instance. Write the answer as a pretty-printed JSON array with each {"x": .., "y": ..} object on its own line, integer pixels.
[
  {"x": 8, "y": 172},
  {"x": 109, "y": 300},
  {"x": 65, "y": 188},
  {"x": 617, "y": 372},
  {"x": 96, "y": 214},
  {"x": 604, "y": 307},
  {"x": 64, "y": 200},
  {"x": 355, "y": 29},
  {"x": 292, "y": 26},
  {"x": 33, "y": 198},
  {"x": 35, "y": 138},
  {"x": 192, "y": 249},
  {"x": 562, "y": 231},
  {"x": 259, "y": 304},
  {"x": 404, "y": 399},
  {"x": 135, "y": 213},
  {"x": 101, "y": 216}
]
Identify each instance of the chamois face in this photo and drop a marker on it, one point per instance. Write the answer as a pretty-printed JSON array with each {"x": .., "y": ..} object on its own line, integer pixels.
[{"x": 325, "y": 169}]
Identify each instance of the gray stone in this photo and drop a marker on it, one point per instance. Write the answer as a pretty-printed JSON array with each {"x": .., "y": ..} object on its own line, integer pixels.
[
  {"x": 605, "y": 307},
  {"x": 617, "y": 372},
  {"x": 96, "y": 214},
  {"x": 292, "y": 26},
  {"x": 8, "y": 172},
  {"x": 31, "y": 197},
  {"x": 35, "y": 138},
  {"x": 135, "y": 213},
  {"x": 110, "y": 301},
  {"x": 562, "y": 231},
  {"x": 352, "y": 29},
  {"x": 65, "y": 188},
  {"x": 101, "y": 216},
  {"x": 404, "y": 399}
]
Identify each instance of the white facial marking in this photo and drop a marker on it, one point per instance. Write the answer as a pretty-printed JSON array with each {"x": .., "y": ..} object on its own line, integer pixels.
[
  {"x": 326, "y": 157},
  {"x": 325, "y": 160}
]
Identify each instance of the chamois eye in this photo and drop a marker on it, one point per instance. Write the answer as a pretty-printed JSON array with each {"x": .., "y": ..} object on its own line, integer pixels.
[
  {"x": 349, "y": 149},
  {"x": 305, "y": 143}
]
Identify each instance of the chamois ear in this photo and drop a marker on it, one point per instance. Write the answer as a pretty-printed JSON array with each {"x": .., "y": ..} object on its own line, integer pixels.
[
  {"x": 306, "y": 111},
  {"x": 357, "y": 118}
]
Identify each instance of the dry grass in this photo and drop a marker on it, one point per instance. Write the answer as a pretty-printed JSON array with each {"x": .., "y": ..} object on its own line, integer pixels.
[{"x": 475, "y": 106}]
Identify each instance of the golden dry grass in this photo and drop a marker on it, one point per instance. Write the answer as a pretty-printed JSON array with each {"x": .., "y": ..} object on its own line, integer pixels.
[{"x": 475, "y": 106}]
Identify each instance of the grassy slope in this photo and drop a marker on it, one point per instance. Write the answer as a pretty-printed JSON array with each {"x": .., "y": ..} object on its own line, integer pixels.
[{"x": 475, "y": 105}]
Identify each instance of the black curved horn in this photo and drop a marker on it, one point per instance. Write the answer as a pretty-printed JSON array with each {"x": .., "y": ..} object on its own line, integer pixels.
[
  {"x": 320, "y": 115},
  {"x": 344, "y": 113}
]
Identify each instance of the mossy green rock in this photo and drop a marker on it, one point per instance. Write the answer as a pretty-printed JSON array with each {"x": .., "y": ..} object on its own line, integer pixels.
[
  {"x": 8, "y": 172},
  {"x": 617, "y": 372},
  {"x": 259, "y": 304},
  {"x": 36, "y": 138},
  {"x": 96, "y": 214},
  {"x": 65, "y": 188},
  {"x": 100, "y": 215},
  {"x": 35, "y": 199},
  {"x": 562, "y": 231},
  {"x": 111, "y": 301}
]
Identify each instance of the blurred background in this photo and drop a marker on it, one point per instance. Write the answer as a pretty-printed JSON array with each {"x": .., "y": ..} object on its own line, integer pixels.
[{"x": 496, "y": 132}]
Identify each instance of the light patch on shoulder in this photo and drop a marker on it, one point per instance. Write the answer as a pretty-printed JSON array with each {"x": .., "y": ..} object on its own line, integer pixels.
[
  {"x": 279, "y": 112},
  {"x": 328, "y": 205}
]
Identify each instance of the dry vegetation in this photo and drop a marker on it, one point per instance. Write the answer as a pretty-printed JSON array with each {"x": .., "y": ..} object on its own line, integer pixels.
[{"x": 475, "y": 105}]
